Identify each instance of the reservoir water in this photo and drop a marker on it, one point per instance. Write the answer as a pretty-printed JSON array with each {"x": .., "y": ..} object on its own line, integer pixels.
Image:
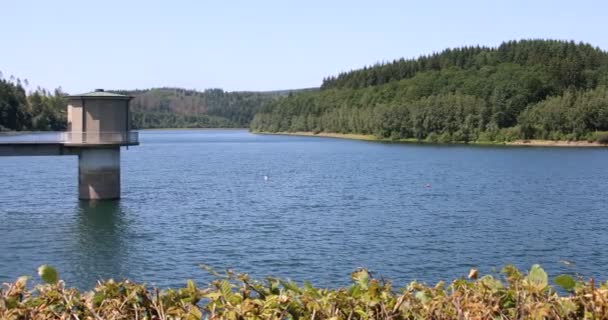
[{"x": 307, "y": 208}]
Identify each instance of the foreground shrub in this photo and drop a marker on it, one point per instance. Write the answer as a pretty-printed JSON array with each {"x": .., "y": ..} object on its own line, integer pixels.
[{"x": 512, "y": 295}]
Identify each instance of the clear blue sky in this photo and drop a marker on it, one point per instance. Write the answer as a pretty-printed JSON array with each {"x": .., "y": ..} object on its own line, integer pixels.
[{"x": 259, "y": 45}]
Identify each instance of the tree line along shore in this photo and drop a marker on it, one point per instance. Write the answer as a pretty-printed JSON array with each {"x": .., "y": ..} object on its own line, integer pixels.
[
  {"x": 518, "y": 142},
  {"x": 526, "y": 92}
]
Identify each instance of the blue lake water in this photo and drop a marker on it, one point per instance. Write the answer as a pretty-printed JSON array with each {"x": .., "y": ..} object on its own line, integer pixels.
[{"x": 407, "y": 212}]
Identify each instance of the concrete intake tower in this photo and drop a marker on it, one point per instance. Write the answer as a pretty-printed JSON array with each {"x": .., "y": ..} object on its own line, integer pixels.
[{"x": 98, "y": 125}]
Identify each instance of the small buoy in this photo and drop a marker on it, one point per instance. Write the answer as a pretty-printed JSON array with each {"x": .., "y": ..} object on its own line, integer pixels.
[{"x": 266, "y": 178}]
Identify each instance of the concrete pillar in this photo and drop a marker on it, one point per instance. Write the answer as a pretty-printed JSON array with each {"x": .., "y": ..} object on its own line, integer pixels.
[{"x": 99, "y": 173}]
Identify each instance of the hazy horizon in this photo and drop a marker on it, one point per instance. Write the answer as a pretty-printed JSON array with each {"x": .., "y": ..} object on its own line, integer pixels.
[{"x": 269, "y": 46}]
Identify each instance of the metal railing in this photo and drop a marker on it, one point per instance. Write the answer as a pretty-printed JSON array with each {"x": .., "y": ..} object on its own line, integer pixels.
[{"x": 71, "y": 137}]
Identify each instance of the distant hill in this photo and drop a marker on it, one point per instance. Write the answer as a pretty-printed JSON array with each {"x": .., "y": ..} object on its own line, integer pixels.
[
  {"x": 152, "y": 108},
  {"x": 526, "y": 89},
  {"x": 176, "y": 107},
  {"x": 565, "y": 63},
  {"x": 283, "y": 93}
]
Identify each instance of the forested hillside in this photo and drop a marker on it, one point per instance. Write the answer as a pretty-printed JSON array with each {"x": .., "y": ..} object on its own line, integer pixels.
[
  {"x": 38, "y": 110},
  {"x": 529, "y": 89},
  {"x": 526, "y": 89},
  {"x": 175, "y": 107}
]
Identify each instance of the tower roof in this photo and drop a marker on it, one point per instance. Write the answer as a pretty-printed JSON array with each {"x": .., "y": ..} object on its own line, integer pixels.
[{"x": 102, "y": 94}]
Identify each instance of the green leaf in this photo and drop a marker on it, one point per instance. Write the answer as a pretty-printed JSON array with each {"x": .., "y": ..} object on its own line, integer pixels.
[
  {"x": 48, "y": 274},
  {"x": 291, "y": 286},
  {"x": 422, "y": 296},
  {"x": 568, "y": 307},
  {"x": 362, "y": 314},
  {"x": 512, "y": 273},
  {"x": 226, "y": 289},
  {"x": 194, "y": 313},
  {"x": 210, "y": 270},
  {"x": 490, "y": 282},
  {"x": 214, "y": 295},
  {"x": 98, "y": 298},
  {"x": 308, "y": 286},
  {"x": 11, "y": 303},
  {"x": 565, "y": 281},
  {"x": 538, "y": 277},
  {"x": 191, "y": 285},
  {"x": 355, "y": 291},
  {"x": 361, "y": 277}
]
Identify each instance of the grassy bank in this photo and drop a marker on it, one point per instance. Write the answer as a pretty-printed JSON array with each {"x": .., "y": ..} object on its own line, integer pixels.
[
  {"x": 369, "y": 137},
  {"x": 509, "y": 295}
]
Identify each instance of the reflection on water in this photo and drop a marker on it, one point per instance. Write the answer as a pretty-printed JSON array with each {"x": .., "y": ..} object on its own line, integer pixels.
[{"x": 101, "y": 248}]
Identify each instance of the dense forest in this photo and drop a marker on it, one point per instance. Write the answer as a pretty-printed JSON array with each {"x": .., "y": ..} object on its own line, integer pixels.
[
  {"x": 39, "y": 110},
  {"x": 529, "y": 89},
  {"x": 23, "y": 109},
  {"x": 175, "y": 107}
]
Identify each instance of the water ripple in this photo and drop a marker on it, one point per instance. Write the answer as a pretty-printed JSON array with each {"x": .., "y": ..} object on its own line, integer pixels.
[{"x": 407, "y": 212}]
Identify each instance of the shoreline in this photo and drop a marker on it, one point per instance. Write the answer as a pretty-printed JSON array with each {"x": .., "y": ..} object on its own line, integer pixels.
[
  {"x": 369, "y": 137},
  {"x": 169, "y": 129},
  {"x": 372, "y": 138},
  {"x": 559, "y": 143},
  {"x": 14, "y": 133}
]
